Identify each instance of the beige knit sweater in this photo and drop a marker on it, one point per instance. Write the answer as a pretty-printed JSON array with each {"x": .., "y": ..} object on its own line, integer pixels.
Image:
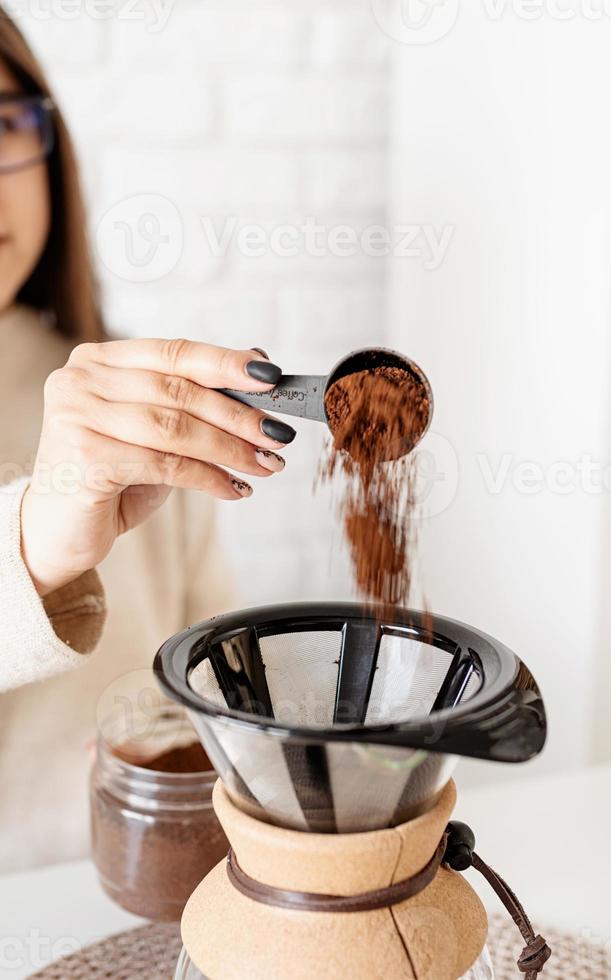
[{"x": 159, "y": 578}]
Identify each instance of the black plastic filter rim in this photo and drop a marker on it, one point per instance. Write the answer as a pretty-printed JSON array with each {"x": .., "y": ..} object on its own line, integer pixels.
[{"x": 504, "y": 721}]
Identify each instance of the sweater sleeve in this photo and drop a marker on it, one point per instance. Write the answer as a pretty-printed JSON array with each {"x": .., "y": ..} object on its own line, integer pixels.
[{"x": 40, "y": 638}]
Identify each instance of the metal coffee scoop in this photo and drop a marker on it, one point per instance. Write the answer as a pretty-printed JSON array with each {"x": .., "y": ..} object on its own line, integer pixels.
[{"x": 303, "y": 395}]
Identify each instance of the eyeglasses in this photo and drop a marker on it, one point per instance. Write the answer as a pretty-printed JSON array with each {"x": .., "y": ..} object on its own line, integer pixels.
[{"x": 26, "y": 131}]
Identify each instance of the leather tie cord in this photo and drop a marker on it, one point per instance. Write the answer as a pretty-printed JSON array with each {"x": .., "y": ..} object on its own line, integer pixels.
[
  {"x": 536, "y": 953},
  {"x": 455, "y": 849},
  {"x": 460, "y": 855},
  {"x": 381, "y": 898}
]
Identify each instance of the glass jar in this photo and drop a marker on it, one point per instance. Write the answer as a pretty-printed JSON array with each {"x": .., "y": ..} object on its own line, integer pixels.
[
  {"x": 482, "y": 970},
  {"x": 186, "y": 968},
  {"x": 155, "y": 835}
]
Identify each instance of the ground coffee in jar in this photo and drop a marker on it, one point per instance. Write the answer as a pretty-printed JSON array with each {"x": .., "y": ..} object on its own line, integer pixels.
[
  {"x": 376, "y": 417},
  {"x": 154, "y": 832}
]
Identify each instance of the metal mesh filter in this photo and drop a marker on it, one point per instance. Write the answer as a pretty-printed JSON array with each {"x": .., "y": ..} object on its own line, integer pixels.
[
  {"x": 322, "y": 718},
  {"x": 335, "y": 787},
  {"x": 302, "y": 676},
  {"x": 408, "y": 677}
]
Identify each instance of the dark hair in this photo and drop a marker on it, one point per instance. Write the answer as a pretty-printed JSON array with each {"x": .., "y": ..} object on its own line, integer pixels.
[{"x": 63, "y": 283}]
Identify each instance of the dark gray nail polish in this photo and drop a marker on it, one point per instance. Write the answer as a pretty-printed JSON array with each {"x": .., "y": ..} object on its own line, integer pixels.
[
  {"x": 279, "y": 431},
  {"x": 264, "y": 371},
  {"x": 263, "y": 353}
]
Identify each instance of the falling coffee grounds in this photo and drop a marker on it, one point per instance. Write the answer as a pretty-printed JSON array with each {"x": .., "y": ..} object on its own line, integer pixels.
[{"x": 376, "y": 417}]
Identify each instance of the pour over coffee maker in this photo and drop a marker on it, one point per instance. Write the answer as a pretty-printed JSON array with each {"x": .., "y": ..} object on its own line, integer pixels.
[{"x": 335, "y": 735}]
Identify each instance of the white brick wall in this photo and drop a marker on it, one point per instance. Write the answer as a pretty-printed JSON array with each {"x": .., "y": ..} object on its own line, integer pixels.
[
  {"x": 307, "y": 108},
  {"x": 270, "y": 112}
]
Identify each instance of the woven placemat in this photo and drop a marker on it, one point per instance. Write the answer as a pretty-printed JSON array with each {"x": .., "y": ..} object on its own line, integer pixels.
[{"x": 151, "y": 953}]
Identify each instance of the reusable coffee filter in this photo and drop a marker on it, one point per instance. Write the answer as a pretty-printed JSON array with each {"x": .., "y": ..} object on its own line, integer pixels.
[{"x": 323, "y": 718}]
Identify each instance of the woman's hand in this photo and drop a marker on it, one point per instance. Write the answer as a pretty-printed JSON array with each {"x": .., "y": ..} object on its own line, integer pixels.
[{"x": 126, "y": 421}]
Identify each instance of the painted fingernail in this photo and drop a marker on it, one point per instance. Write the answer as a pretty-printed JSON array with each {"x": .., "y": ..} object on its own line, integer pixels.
[
  {"x": 263, "y": 353},
  {"x": 278, "y": 431},
  {"x": 244, "y": 489},
  {"x": 264, "y": 371},
  {"x": 270, "y": 461}
]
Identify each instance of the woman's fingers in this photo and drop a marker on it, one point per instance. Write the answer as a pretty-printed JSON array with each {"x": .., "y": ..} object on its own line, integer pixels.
[
  {"x": 170, "y": 391},
  {"x": 169, "y": 430},
  {"x": 106, "y": 461},
  {"x": 205, "y": 364},
  {"x": 110, "y": 465}
]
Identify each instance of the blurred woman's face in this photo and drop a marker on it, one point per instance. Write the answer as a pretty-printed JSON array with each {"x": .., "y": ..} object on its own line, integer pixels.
[{"x": 25, "y": 211}]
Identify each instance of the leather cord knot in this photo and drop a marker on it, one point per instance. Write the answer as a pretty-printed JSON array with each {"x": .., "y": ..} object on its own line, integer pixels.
[{"x": 534, "y": 956}]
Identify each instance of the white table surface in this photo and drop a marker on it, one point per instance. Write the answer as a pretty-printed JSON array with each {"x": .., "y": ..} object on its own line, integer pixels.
[{"x": 549, "y": 837}]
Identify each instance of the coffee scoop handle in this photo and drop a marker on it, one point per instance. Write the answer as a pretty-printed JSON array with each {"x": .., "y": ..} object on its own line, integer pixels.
[{"x": 301, "y": 395}]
